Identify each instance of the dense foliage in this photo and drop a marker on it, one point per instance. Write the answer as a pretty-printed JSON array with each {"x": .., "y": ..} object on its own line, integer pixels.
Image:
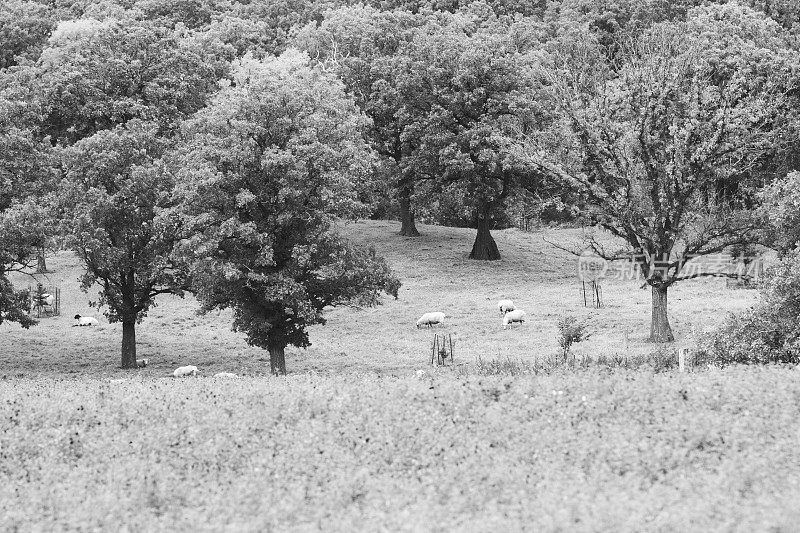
[
  {"x": 22, "y": 232},
  {"x": 781, "y": 212},
  {"x": 770, "y": 331}
]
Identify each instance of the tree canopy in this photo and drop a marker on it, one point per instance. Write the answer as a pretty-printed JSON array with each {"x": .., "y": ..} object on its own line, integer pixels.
[
  {"x": 366, "y": 47},
  {"x": 478, "y": 105}
]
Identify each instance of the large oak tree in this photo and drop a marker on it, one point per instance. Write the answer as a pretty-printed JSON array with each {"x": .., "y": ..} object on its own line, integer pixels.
[
  {"x": 468, "y": 80},
  {"x": 365, "y": 47},
  {"x": 648, "y": 138},
  {"x": 112, "y": 94},
  {"x": 113, "y": 197},
  {"x": 266, "y": 170}
]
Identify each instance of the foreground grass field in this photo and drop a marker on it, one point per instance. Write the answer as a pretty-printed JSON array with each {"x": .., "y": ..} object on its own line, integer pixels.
[{"x": 714, "y": 451}]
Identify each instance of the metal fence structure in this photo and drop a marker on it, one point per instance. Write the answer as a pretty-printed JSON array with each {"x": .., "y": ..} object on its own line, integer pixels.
[{"x": 45, "y": 301}]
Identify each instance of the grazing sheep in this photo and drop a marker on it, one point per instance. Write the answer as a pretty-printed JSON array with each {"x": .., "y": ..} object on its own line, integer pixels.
[
  {"x": 183, "y": 371},
  {"x": 504, "y": 306},
  {"x": 224, "y": 375},
  {"x": 429, "y": 319},
  {"x": 517, "y": 315},
  {"x": 86, "y": 321}
]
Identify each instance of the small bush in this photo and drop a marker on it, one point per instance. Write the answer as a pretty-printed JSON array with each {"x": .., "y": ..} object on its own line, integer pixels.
[
  {"x": 571, "y": 331},
  {"x": 663, "y": 358}
]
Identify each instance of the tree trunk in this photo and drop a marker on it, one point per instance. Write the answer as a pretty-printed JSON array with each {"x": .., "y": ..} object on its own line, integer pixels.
[
  {"x": 484, "y": 247},
  {"x": 660, "y": 330},
  {"x": 408, "y": 228},
  {"x": 129, "y": 344},
  {"x": 41, "y": 264},
  {"x": 277, "y": 359}
]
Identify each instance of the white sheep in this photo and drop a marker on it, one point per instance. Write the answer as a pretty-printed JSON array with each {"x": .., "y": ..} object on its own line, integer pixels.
[
  {"x": 183, "y": 371},
  {"x": 86, "y": 321},
  {"x": 141, "y": 363},
  {"x": 517, "y": 315},
  {"x": 429, "y": 319},
  {"x": 224, "y": 375},
  {"x": 504, "y": 306}
]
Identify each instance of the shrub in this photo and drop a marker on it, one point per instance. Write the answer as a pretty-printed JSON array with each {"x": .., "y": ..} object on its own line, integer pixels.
[
  {"x": 663, "y": 358},
  {"x": 767, "y": 333},
  {"x": 571, "y": 330}
]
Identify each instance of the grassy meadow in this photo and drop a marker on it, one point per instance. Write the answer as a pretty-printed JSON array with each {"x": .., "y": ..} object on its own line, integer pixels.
[
  {"x": 436, "y": 276},
  {"x": 364, "y": 435}
]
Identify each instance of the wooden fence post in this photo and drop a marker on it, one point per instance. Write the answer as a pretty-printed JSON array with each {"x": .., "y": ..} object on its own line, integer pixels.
[{"x": 682, "y": 360}]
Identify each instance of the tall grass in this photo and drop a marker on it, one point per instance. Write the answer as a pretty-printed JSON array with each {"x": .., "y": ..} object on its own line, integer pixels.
[
  {"x": 661, "y": 359},
  {"x": 607, "y": 451}
]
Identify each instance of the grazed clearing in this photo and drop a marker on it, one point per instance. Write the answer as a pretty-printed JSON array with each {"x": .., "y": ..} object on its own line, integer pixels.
[{"x": 436, "y": 276}]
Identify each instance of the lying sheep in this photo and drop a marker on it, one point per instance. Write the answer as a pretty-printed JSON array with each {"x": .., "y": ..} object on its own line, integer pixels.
[
  {"x": 86, "y": 321},
  {"x": 504, "y": 306},
  {"x": 429, "y": 319},
  {"x": 224, "y": 375},
  {"x": 141, "y": 363},
  {"x": 517, "y": 315},
  {"x": 183, "y": 371}
]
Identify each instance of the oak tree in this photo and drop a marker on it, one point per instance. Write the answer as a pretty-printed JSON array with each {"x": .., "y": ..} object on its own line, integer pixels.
[
  {"x": 114, "y": 198},
  {"x": 267, "y": 168},
  {"x": 365, "y": 47},
  {"x": 470, "y": 84},
  {"x": 113, "y": 94},
  {"x": 649, "y": 138}
]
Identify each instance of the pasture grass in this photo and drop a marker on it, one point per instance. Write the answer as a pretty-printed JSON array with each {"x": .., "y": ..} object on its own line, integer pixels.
[
  {"x": 436, "y": 276},
  {"x": 579, "y": 451}
]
